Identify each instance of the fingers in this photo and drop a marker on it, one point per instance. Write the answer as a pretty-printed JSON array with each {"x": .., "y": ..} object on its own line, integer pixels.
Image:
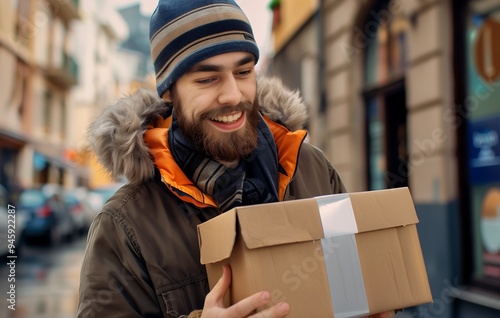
[
  {"x": 390, "y": 314},
  {"x": 214, "y": 306},
  {"x": 277, "y": 311},
  {"x": 250, "y": 304},
  {"x": 387, "y": 314},
  {"x": 216, "y": 295}
]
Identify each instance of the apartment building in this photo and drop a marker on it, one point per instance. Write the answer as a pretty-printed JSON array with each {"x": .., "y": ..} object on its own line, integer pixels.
[
  {"x": 95, "y": 40},
  {"x": 60, "y": 66},
  {"x": 39, "y": 72},
  {"x": 15, "y": 62},
  {"x": 405, "y": 93}
]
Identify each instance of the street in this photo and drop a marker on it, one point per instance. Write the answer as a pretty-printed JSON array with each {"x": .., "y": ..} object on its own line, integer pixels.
[{"x": 46, "y": 281}]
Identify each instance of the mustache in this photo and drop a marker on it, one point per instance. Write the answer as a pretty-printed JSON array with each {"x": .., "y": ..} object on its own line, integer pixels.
[{"x": 220, "y": 111}]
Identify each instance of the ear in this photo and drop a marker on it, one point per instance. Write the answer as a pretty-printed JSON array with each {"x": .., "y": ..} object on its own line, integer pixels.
[{"x": 167, "y": 96}]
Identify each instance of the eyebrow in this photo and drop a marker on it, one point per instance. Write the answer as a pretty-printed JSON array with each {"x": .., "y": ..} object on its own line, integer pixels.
[{"x": 219, "y": 68}]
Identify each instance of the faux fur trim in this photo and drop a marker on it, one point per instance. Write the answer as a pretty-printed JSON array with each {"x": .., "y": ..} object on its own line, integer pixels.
[
  {"x": 281, "y": 104},
  {"x": 116, "y": 136}
]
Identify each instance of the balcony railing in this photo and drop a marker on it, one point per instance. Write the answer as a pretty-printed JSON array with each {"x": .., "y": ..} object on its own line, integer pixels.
[{"x": 66, "y": 75}]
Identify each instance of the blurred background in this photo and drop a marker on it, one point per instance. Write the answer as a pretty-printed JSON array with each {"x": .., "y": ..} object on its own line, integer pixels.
[{"x": 400, "y": 93}]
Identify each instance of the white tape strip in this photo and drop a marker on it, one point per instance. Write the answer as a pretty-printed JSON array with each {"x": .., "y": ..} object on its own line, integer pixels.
[
  {"x": 347, "y": 288},
  {"x": 337, "y": 215}
]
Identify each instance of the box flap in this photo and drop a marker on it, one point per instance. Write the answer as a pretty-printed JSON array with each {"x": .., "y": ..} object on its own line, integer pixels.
[
  {"x": 375, "y": 210},
  {"x": 392, "y": 262},
  {"x": 292, "y": 221},
  {"x": 216, "y": 237},
  {"x": 280, "y": 223}
]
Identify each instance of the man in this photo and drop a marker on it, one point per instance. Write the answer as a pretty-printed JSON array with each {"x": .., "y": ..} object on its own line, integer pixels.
[{"x": 218, "y": 138}]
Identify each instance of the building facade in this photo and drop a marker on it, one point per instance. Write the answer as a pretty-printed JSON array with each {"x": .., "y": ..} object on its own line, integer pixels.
[
  {"x": 38, "y": 72},
  {"x": 61, "y": 64},
  {"x": 14, "y": 62},
  {"x": 407, "y": 94},
  {"x": 95, "y": 42}
]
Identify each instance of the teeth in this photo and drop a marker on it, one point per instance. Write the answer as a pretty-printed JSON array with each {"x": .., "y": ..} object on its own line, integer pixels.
[{"x": 227, "y": 118}]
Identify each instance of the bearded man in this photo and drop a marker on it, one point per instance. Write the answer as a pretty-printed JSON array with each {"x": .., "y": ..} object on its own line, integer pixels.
[{"x": 211, "y": 138}]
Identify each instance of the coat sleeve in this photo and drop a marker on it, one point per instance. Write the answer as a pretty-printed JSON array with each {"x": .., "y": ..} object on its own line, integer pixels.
[
  {"x": 335, "y": 180},
  {"x": 114, "y": 281}
]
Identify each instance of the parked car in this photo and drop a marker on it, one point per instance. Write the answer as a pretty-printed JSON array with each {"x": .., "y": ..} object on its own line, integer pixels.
[
  {"x": 14, "y": 221},
  {"x": 97, "y": 197},
  {"x": 49, "y": 217},
  {"x": 81, "y": 209}
]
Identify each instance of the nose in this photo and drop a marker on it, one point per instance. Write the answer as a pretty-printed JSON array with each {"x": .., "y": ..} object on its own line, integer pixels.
[{"x": 229, "y": 93}]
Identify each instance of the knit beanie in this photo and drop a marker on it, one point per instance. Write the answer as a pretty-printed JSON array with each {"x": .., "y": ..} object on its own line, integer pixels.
[{"x": 183, "y": 33}]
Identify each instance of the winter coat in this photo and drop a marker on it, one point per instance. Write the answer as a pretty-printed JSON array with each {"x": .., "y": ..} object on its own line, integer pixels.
[{"x": 142, "y": 257}]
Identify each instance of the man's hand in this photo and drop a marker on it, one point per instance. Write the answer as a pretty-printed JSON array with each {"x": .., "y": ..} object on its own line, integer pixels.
[{"x": 247, "y": 307}]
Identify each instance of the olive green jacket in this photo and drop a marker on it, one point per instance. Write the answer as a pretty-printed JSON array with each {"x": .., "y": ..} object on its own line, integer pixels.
[{"x": 142, "y": 257}]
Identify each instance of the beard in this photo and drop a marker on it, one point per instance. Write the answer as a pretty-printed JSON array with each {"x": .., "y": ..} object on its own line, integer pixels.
[{"x": 217, "y": 145}]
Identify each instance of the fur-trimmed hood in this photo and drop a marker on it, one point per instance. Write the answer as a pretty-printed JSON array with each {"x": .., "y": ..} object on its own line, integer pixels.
[{"x": 117, "y": 135}]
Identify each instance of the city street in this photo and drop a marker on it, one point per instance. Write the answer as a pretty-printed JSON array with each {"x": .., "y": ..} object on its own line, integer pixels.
[
  {"x": 46, "y": 281},
  {"x": 366, "y": 98}
]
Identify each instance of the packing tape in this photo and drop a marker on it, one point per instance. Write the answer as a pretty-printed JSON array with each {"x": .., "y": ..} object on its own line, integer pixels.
[
  {"x": 337, "y": 216},
  {"x": 345, "y": 279}
]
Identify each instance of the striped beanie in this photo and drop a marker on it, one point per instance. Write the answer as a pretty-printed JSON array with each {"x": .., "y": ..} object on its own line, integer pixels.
[{"x": 183, "y": 33}]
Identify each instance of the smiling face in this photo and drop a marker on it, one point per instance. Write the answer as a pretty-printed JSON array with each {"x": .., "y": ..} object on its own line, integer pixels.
[{"x": 215, "y": 105}]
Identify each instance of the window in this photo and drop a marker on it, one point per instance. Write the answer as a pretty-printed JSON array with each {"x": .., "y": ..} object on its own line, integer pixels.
[
  {"x": 24, "y": 27},
  {"x": 385, "y": 96},
  {"x": 47, "y": 114},
  {"x": 63, "y": 119},
  {"x": 483, "y": 130}
]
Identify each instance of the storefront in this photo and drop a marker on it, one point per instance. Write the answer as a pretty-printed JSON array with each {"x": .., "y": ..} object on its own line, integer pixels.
[
  {"x": 52, "y": 164},
  {"x": 410, "y": 96},
  {"x": 483, "y": 82},
  {"x": 10, "y": 145},
  {"x": 481, "y": 160}
]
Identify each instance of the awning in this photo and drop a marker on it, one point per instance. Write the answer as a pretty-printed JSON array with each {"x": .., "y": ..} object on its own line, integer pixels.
[
  {"x": 12, "y": 139},
  {"x": 55, "y": 155}
]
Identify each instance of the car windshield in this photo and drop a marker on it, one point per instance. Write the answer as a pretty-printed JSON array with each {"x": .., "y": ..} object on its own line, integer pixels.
[{"x": 29, "y": 199}]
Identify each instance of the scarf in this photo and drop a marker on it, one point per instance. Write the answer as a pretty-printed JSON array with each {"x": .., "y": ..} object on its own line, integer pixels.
[{"x": 253, "y": 181}]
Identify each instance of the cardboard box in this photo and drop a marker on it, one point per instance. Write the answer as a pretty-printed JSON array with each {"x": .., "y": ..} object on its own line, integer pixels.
[{"x": 343, "y": 255}]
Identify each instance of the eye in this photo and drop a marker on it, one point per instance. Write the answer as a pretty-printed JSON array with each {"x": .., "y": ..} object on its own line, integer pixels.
[
  {"x": 205, "y": 80},
  {"x": 244, "y": 72}
]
